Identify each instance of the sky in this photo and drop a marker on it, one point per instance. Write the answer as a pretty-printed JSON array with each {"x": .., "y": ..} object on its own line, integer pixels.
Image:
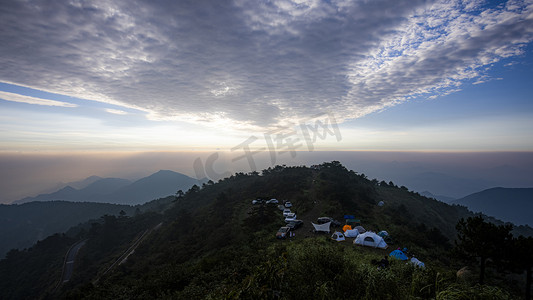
[{"x": 128, "y": 77}]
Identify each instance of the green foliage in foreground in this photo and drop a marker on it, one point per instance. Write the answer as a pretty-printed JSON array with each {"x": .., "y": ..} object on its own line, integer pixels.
[
  {"x": 314, "y": 268},
  {"x": 478, "y": 292},
  {"x": 320, "y": 269}
]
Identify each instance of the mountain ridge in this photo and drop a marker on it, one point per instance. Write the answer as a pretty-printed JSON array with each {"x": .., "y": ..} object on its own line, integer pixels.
[
  {"x": 447, "y": 185},
  {"x": 121, "y": 191},
  {"x": 442, "y": 198},
  {"x": 508, "y": 204},
  {"x": 79, "y": 184}
]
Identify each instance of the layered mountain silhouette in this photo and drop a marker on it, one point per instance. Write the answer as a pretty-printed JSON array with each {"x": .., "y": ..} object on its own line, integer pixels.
[
  {"x": 122, "y": 191},
  {"x": 80, "y": 184},
  {"x": 444, "y": 185},
  {"x": 508, "y": 204}
]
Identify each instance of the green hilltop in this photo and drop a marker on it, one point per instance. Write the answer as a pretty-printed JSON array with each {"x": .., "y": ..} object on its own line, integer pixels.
[{"x": 211, "y": 242}]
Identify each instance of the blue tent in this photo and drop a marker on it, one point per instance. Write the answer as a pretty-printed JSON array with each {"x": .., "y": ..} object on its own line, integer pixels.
[
  {"x": 398, "y": 254},
  {"x": 349, "y": 217},
  {"x": 383, "y": 233}
]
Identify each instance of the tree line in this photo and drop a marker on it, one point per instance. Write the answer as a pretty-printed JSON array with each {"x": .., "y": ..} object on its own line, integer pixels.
[{"x": 494, "y": 246}]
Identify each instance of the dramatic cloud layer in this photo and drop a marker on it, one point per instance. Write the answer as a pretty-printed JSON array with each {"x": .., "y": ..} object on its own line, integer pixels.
[{"x": 257, "y": 63}]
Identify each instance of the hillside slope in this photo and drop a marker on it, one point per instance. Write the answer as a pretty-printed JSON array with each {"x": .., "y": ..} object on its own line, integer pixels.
[
  {"x": 213, "y": 242},
  {"x": 23, "y": 225}
]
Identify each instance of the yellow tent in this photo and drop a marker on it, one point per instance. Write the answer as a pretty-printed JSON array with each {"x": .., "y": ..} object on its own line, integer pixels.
[{"x": 346, "y": 227}]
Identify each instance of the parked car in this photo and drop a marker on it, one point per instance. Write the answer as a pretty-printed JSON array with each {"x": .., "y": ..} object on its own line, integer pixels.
[
  {"x": 323, "y": 220},
  {"x": 272, "y": 201},
  {"x": 286, "y": 211},
  {"x": 283, "y": 232},
  {"x": 257, "y": 201},
  {"x": 288, "y": 204},
  {"x": 290, "y": 217},
  {"x": 295, "y": 224}
]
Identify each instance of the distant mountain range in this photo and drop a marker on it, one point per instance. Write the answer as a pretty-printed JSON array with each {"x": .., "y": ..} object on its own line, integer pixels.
[
  {"x": 80, "y": 184},
  {"x": 447, "y": 186},
  {"x": 508, "y": 204},
  {"x": 121, "y": 191}
]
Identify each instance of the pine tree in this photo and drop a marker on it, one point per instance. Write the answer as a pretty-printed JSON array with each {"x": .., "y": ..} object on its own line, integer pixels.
[{"x": 479, "y": 239}]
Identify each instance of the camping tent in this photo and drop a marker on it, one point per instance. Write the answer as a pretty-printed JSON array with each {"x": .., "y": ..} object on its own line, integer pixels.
[
  {"x": 381, "y": 203},
  {"x": 346, "y": 227},
  {"x": 351, "y": 233},
  {"x": 370, "y": 239},
  {"x": 417, "y": 263},
  {"x": 398, "y": 254},
  {"x": 383, "y": 233},
  {"x": 360, "y": 229},
  {"x": 338, "y": 236},
  {"x": 322, "y": 227}
]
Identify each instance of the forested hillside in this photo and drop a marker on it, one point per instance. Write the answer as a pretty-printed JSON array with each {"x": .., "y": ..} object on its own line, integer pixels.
[
  {"x": 212, "y": 242},
  {"x": 22, "y": 225}
]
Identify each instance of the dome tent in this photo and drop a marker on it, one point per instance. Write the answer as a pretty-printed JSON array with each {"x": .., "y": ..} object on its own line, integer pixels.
[
  {"x": 398, "y": 254},
  {"x": 338, "y": 236},
  {"x": 351, "y": 233},
  {"x": 383, "y": 233},
  {"x": 360, "y": 229},
  {"x": 370, "y": 239}
]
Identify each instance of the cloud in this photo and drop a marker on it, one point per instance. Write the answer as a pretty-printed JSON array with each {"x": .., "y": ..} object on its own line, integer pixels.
[
  {"x": 32, "y": 100},
  {"x": 254, "y": 64},
  {"x": 116, "y": 111}
]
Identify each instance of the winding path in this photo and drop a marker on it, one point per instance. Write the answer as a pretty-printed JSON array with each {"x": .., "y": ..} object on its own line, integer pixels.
[{"x": 68, "y": 265}]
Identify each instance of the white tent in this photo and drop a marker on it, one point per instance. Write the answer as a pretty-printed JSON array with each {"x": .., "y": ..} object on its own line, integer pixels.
[
  {"x": 417, "y": 263},
  {"x": 370, "y": 239},
  {"x": 351, "y": 233},
  {"x": 338, "y": 236},
  {"x": 322, "y": 227},
  {"x": 381, "y": 203},
  {"x": 360, "y": 229}
]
